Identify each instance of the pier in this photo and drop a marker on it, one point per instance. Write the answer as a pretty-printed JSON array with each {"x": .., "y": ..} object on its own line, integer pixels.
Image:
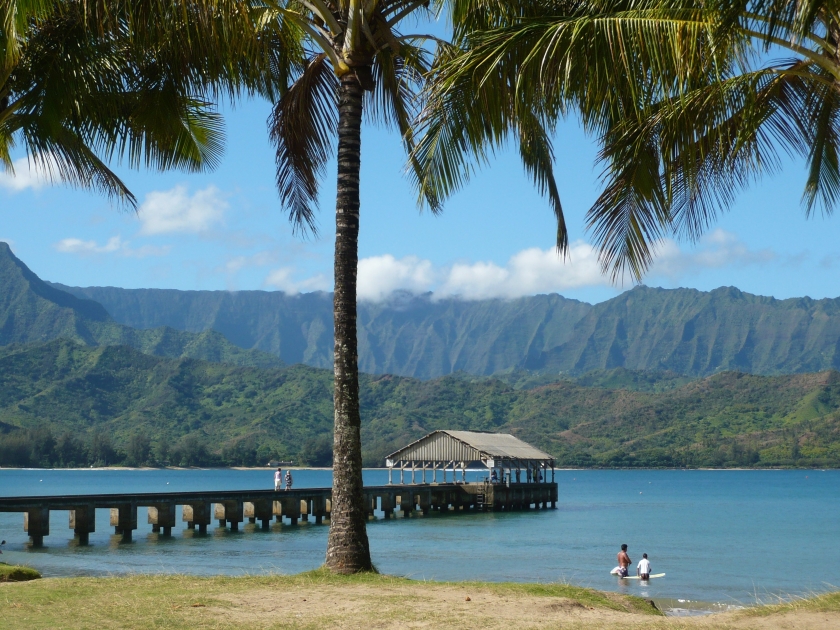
[
  {"x": 517, "y": 479},
  {"x": 230, "y": 508}
]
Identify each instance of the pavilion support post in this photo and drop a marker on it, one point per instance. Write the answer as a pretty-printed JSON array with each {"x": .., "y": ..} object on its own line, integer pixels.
[
  {"x": 36, "y": 523},
  {"x": 424, "y": 473},
  {"x": 402, "y": 472},
  {"x": 413, "y": 469},
  {"x": 83, "y": 522},
  {"x": 390, "y": 475}
]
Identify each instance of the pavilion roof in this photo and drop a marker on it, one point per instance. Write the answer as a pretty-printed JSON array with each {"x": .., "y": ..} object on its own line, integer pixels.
[{"x": 469, "y": 446}]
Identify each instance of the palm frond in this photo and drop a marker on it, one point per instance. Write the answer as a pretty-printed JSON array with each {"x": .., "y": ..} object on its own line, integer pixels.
[
  {"x": 537, "y": 156},
  {"x": 63, "y": 156},
  {"x": 821, "y": 127},
  {"x": 665, "y": 174},
  {"x": 301, "y": 126}
]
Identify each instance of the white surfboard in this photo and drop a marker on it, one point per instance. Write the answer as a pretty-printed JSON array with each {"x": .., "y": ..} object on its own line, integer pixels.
[{"x": 636, "y": 577}]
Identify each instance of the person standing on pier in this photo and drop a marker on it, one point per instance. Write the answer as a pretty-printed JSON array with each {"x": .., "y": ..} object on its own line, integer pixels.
[
  {"x": 278, "y": 479},
  {"x": 288, "y": 480}
]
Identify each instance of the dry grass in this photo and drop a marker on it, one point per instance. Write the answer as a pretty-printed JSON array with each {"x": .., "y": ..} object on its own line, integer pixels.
[{"x": 318, "y": 599}]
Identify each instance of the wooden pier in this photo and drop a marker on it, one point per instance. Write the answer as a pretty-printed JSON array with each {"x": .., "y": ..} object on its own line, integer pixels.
[{"x": 231, "y": 507}]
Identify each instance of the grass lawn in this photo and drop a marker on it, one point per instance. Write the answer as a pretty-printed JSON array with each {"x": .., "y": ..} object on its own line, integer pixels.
[{"x": 318, "y": 599}]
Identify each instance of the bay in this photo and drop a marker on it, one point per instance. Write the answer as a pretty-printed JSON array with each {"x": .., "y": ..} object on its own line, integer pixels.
[{"x": 724, "y": 538}]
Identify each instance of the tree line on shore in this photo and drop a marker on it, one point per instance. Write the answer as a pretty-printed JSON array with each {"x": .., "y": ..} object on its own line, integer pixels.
[{"x": 42, "y": 448}]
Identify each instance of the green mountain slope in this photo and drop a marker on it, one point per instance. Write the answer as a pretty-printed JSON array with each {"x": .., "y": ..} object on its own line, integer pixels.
[
  {"x": 62, "y": 402},
  {"x": 410, "y": 336},
  {"x": 681, "y": 330},
  {"x": 698, "y": 333},
  {"x": 33, "y": 311}
]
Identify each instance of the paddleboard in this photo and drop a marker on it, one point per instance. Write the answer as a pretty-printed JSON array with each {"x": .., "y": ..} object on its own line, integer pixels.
[{"x": 636, "y": 577}]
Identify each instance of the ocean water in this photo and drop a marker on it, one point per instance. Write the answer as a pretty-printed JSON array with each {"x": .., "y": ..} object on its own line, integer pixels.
[{"x": 724, "y": 538}]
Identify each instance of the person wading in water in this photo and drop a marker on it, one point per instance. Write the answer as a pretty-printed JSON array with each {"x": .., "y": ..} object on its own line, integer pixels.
[{"x": 624, "y": 562}]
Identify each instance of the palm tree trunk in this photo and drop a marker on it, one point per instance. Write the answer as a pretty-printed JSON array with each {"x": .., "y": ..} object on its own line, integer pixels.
[{"x": 347, "y": 549}]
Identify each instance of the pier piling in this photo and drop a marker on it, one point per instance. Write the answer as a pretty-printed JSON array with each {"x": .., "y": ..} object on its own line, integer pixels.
[
  {"x": 83, "y": 522},
  {"x": 231, "y": 512},
  {"x": 124, "y": 520},
  {"x": 197, "y": 513},
  {"x": 36, "y": 523},
  {"x": 162, "y": 517}
]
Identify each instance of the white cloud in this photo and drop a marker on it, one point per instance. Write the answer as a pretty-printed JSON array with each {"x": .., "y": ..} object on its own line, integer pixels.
[
  {"x": 379, "y": 276},
  {"x": 115, "y": 245},
  {"x": 715, "y": 250},
  {"x": 237, "y": 263},
  {"x": 282, "y": 279},
  {"x": 26, "y": 175},
  {"x": 166, "y": 212},
  {"x": 528, "y": 272}
]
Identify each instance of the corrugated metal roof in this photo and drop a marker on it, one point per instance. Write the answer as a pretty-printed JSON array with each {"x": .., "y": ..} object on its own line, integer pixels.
[{"x": 468, "y": 446}]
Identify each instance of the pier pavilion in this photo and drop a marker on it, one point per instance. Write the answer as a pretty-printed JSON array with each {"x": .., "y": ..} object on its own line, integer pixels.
[
  {"x": 517, "y": 473},
  {"x": 516, "y": 461}
]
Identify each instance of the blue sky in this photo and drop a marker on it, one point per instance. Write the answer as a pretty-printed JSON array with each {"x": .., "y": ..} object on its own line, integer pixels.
[{"x": 225, "y": 230}]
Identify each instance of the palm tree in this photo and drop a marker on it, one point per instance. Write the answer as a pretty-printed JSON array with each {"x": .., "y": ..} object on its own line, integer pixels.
[
  {"x": 683, "y": 97},
  {"x": 346, "y": 49},
  {"x": 353, "y": 60},
  {"x": 81, "y": 85}
]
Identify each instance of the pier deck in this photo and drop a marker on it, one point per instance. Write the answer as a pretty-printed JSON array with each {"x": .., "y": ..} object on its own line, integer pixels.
[{"x": 232, "y": 507}]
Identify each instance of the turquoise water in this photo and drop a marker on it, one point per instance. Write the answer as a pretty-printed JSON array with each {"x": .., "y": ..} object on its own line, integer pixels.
[{"x": 723, "y": 537}]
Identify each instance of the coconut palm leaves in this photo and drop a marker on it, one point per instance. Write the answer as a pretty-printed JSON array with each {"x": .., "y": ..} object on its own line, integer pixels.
[
  {"x": 390, "y": 67},
  {"x": 687, "y": 104},
  {"x": 519, "y": 70},
  {"x": 83, "y": 84}
]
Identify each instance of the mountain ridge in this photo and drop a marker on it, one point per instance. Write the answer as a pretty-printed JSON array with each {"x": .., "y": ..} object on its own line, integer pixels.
[
  {"x": 685, "y": 331},
  {"x": 32, "y": 310}
]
